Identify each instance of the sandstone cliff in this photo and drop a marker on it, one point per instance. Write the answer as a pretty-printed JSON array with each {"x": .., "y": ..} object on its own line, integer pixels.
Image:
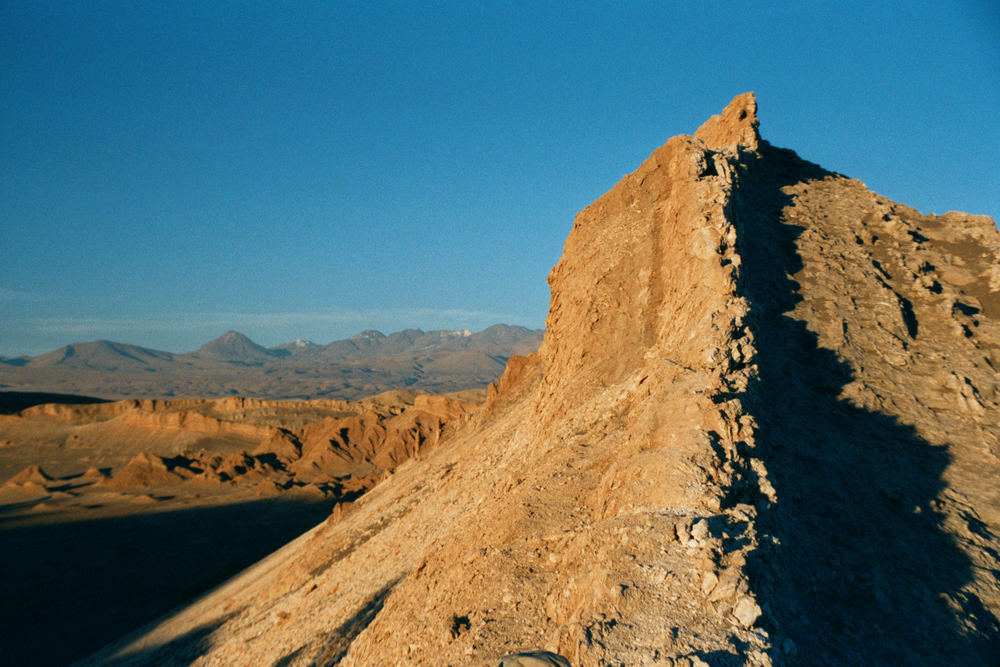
[{"x": 761, "y": 428}]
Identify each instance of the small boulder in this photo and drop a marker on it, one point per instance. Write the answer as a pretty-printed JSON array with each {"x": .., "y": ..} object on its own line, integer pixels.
[
  {"x": 699, "y": 531},
  {"x": 746, "y": 611},
  {"x": 534, "y": 659}
]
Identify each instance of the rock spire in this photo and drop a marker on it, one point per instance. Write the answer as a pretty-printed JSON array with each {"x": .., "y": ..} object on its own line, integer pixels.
[{"x": 735, "y": 126}]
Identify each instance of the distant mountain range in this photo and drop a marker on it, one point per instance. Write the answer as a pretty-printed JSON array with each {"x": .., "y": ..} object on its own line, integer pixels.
[{"x": 370, "y": 362}]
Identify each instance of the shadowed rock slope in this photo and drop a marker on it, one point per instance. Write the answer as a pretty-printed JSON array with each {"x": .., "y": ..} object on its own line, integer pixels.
[{"x": 761, "y": 429}]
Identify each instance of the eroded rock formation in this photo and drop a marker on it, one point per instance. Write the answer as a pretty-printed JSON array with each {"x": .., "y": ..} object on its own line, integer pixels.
[
  {"x": 336, "y": 449},
  {"x": 761, "y": 428}
]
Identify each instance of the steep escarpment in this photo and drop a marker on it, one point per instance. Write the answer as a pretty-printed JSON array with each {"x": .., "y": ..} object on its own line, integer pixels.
[{"x": 701, "y": 463}]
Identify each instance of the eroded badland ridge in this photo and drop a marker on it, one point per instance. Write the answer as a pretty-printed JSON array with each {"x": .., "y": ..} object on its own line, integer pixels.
[
  {"x": 331, "y": 449},
  {"x": 761, "y": 428}
]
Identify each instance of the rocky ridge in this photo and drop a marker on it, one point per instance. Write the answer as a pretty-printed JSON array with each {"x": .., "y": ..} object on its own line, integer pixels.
[
  {"x": 337, "y": 449},
  {"x": 760, "y": 429}
]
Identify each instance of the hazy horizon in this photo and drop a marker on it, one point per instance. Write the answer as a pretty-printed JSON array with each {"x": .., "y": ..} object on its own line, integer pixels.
[
  {"x": 271, "y": 345},
  {"x": 305, "y": 170}
]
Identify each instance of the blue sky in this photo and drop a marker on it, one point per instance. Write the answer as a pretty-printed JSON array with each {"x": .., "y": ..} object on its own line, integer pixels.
[{"x": 171, "y": 170}]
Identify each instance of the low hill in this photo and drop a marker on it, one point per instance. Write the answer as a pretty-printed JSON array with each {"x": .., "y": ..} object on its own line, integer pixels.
[
  {"x": 234, "y": 347},
  {"x": 103, "y": 355},
  {"x": 114, "y": 513}
]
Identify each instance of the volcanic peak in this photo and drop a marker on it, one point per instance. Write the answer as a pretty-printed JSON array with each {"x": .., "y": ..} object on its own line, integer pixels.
[{"x": 235, "y": 347}]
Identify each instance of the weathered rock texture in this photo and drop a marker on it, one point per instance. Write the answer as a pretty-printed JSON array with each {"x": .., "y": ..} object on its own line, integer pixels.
[
  {"x": 761, "y": 428},
  {"x": 336, "y": 449}
]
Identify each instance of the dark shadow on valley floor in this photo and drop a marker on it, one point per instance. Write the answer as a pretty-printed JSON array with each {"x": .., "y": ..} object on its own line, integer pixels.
[
  {"x": 71, "y": 588},
  {"x": 15, "y": 401}
]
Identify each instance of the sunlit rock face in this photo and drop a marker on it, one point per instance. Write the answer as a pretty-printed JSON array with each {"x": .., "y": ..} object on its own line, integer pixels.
[{"x": 761, "y": 429}]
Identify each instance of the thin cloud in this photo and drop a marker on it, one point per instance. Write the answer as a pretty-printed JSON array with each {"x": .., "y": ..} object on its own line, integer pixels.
[
  {"x": 181, "y": 322},
  {"x": 8, "y": 295}
]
